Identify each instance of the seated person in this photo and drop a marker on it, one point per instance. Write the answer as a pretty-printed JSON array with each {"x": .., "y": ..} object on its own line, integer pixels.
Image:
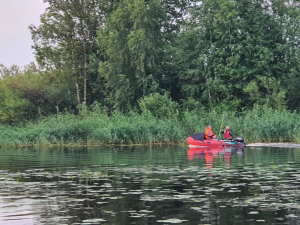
[
  {"x": 209, "y": 133},
  {"x": 227, "y": 133}
]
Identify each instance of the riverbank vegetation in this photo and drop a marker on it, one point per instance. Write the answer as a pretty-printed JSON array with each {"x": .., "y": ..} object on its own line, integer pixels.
[
  {"x": 97, "y": 127},
  {"x": 155, "y": 71}
]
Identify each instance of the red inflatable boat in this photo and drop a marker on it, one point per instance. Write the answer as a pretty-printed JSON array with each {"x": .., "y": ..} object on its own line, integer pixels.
[{"x": 197, "y": 140}]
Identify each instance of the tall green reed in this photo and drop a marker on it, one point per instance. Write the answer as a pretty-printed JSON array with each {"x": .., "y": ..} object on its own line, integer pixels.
[{"x": 96, "y": 127}]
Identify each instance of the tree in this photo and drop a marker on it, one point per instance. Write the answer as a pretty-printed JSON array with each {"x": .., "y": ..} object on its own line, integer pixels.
[
  {"x": 133, "y": 44},
  {"x": 289, "y": 12},
  {"x": 65, "y": 38},
  {"x": 234, "y": 42},
  {"x": 267, "y": 92}
]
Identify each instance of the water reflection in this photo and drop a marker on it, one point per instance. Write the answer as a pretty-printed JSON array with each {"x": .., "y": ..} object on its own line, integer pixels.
[{"x": 214, "y": 155}]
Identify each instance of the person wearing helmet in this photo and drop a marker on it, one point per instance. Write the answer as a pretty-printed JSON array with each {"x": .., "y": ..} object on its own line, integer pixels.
[{"x": 227, "y": 133}]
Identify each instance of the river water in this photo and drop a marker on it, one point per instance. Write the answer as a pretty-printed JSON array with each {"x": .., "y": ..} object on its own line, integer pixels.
[{"x": 149, "y": 185}]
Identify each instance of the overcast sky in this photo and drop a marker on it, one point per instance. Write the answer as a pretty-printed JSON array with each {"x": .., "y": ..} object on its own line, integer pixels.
[{"x": 15, "y": 38}]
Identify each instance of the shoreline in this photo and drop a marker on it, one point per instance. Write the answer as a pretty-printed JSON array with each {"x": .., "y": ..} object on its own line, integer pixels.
[
  {"x": 259, "y": 144},
  {"x": 92, "y": 144}
]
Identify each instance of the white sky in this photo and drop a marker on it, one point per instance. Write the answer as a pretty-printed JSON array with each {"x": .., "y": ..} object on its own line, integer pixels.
[{"x": 15, "y": 37}]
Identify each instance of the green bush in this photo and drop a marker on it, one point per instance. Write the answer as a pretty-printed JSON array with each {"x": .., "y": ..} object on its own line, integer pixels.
[
  {"x": 12, "y": 107},
  {"x": 160, "y": 106}
]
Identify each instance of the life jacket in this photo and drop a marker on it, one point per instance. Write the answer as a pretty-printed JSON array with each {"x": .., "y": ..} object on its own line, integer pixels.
[
  {"x": 227, "y": 134},
  {"x": 208, "y": 132}
]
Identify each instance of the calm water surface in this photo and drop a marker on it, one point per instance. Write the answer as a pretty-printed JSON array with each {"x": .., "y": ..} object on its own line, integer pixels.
[{"x": 149, "y": 185}]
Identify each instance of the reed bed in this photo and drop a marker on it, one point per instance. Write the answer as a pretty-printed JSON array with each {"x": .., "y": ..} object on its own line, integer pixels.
[{"x": 265, "y": 125}]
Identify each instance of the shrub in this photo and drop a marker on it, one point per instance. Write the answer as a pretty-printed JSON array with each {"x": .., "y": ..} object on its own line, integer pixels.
[
  {"x": 12, "y": 107},
  {"x": 160, "y": 106}
]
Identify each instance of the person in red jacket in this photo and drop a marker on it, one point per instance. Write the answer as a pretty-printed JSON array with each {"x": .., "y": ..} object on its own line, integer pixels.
[
  {"x": 227, "y": 133},
  {"x": 209, "y": 134}
]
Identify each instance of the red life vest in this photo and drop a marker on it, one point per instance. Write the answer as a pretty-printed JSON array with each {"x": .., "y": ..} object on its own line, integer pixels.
[
  {"x": 227, "y": 134},
  {"x": 208, "y": 132}
]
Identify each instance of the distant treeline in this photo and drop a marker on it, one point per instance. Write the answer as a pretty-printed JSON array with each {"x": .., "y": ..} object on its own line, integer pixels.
[{"x": 160, "y": 56}]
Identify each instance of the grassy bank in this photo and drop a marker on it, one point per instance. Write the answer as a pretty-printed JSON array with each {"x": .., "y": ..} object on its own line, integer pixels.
[{"x": 97, "y": 128}]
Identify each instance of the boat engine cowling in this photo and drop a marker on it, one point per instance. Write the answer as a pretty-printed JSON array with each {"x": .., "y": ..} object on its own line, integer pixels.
[{"x": 240, "y": 139}]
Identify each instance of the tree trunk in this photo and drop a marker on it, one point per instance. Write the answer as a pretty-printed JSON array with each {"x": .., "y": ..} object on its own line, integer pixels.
[
  {"x": 78, "y": 92},
  {"x": 85, "y": 77},
  {"x": 75, "y": 72},
  {"x": 85, "y": 87}
]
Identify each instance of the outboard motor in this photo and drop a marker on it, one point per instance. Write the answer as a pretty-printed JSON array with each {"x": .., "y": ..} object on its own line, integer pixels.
[{"x": 240, "y": 139}]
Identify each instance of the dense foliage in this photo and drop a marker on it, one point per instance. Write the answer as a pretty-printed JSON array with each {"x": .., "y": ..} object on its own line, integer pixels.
[{"x": 163, "y": 57}]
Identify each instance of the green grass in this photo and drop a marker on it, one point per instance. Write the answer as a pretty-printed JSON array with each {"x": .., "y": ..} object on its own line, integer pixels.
[{"x": 97, "y": 128}]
